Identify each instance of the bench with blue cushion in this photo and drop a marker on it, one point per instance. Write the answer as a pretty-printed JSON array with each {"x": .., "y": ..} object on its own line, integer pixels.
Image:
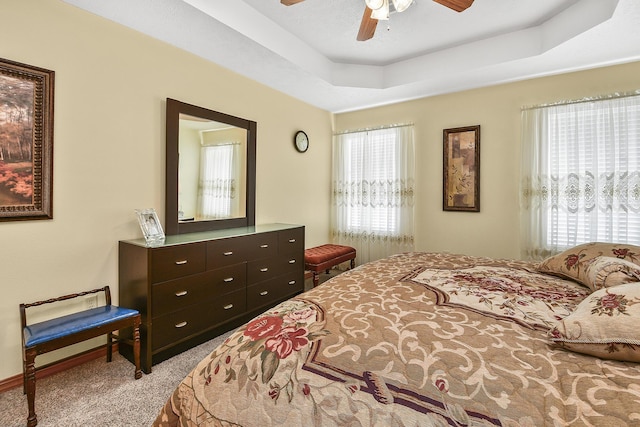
[{"x": 49, "y": 335}]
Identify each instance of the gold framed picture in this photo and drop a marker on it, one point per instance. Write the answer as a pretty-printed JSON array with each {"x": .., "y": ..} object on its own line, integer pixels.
[
  {"x": 461, "y": 169},
  {"x": 26, "y": 141}
]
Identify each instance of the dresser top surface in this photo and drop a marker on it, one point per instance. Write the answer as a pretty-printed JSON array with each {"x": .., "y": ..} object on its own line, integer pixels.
[{"x": 180, "y": 239}]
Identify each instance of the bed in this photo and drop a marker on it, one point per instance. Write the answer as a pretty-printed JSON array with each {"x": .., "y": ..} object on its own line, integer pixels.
[{"x": 426, "y": 339}]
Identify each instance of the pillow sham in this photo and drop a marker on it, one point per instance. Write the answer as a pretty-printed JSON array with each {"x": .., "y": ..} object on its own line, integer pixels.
[
  {"x": 572, "y": 263},
  {"x": 604, "y": 324},
  {"x": 605, "y": 272}
]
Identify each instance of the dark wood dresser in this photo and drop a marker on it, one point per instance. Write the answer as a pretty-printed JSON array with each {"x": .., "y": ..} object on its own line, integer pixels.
[{"x": 198, "y": 285}]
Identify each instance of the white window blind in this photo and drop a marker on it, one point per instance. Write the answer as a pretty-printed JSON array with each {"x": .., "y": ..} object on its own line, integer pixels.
[
  {"x": 581, "y": 174},
  {"x": 371, "y": 168},
  {"x": 372, "y": 197}
]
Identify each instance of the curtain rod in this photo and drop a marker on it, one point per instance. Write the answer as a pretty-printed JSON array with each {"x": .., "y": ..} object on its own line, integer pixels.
[
  {"x": 614, "y": 95},
  {"x": 395, "y": 125}
]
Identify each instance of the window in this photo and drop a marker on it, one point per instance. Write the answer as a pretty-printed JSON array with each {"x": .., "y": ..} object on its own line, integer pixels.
[
  {"x": 217, "y": 184},
  {"x": 581, "y": 174},
  {"x": 373, "y": 182},
  {"x": 373, "y": 191}
]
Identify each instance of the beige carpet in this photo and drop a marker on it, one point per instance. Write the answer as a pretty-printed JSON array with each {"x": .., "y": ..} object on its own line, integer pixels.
[{"x": 98, "y": 393}]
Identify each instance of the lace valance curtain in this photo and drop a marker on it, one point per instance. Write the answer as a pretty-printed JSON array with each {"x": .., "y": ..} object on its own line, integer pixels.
[
  {"x": 580, "y": 175},
  {"x": 372, "y": 191}
]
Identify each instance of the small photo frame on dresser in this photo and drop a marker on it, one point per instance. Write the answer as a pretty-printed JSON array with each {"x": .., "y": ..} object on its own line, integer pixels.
[{"x": 151, "y": 227}]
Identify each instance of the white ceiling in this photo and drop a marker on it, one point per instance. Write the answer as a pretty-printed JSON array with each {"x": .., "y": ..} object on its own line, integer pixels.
[{"x": 309, "y": 50}]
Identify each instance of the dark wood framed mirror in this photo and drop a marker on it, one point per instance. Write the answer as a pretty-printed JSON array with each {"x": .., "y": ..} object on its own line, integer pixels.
[{"x": 210, "y": 169}]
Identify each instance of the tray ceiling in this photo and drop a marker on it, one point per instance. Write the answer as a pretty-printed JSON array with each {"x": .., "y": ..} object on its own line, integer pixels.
[{"x": 309, "y": 50}]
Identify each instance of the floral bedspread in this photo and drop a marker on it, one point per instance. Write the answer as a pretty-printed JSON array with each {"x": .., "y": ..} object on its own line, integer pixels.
[{"x": 412, "y": 340}]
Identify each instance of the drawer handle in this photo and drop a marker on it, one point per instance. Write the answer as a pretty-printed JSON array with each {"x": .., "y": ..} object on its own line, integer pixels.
[
  {"x": 264, "y": 270},
  {"x": 228, "y": 253},
  {"x": 292, "y": 240},
  {"x": 263, "y": 293},
  {"x": 264, "y": 246},
  {"x": 292, "y": 261},
  {"x": 183, "y": 262},
  {"x": 293, "y": 282},
  {"x": 181, "y": 294},
  {"x": 228, "y": 279},
  {"x": 181, "y": 324},
  {"x": 228, "y": 307}
]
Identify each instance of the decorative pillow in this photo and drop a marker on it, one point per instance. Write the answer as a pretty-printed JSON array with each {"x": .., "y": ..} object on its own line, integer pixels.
[
  {"x": 605, "y": 272},
  {"x": 604, "y": 324},
  {"x": 572, "y": 263}
]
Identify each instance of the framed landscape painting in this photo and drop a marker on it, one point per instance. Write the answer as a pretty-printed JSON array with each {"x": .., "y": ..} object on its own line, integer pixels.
[
  {"x": 461, "y": 169},
  {"x": 26, "y": 141}
]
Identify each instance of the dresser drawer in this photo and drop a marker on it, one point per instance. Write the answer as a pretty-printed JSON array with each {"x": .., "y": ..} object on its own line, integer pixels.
[
  {"x": 275, "y": 289},
  {"x": 230, "y": 251},
  {"x": 292, "y": 282},
  {"x": 263, "y": 245},
  {"x": 177, "y": 261},
  {"x": 227, "y": 279},
  {"x": 267, "y": 268},
  {"x": 177, "y": 294},
  {"x": 291, "y": 241},
  {"x": 174, "y": 327},
  {"x": 293, "y": 261},
  {"x": 264, "y": 269}
]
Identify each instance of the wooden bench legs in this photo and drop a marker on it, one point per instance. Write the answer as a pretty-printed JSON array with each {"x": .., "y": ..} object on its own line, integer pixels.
[
  {"x": 135, "y": 343},
  {"x": 316, "y": 276},
  {"x": 29, "y": 385},
  {"x": 56, "y": 333},
  {"x": 136, "y": 350}
]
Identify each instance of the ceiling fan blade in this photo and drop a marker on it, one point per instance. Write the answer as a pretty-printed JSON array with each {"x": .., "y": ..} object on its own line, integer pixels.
[
  {"x": 457, "y": 5},
  {"x": 367, "y": 26},
  {"x": 290, "y": 2}
]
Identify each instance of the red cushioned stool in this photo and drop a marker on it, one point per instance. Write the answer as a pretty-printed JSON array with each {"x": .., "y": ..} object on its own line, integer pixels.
[{"x": 326, "y": 256}]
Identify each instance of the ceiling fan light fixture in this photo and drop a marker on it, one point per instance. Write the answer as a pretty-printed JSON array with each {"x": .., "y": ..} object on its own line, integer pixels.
[
  {"x": 402, "y": 5},
  {"x": 382, "y": 13},
  {"x": 374, "y": 4}
]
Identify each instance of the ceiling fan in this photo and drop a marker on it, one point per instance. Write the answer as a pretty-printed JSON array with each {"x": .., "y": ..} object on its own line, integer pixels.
[{"x": 376, "y": 10}]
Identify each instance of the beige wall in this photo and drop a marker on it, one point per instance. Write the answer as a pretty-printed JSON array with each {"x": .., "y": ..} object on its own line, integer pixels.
[
  {"x": 110, "y": 88},
  {"x": 494, "y": 231}
]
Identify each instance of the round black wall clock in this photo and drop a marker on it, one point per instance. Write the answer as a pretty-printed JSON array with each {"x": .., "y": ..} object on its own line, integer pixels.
[{"x": 301, "y": 141}]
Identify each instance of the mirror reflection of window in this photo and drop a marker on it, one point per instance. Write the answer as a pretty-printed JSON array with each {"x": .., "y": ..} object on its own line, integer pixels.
[
  {"x": 211, "y": 170},
  {"x": 217, "y": 186}
]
